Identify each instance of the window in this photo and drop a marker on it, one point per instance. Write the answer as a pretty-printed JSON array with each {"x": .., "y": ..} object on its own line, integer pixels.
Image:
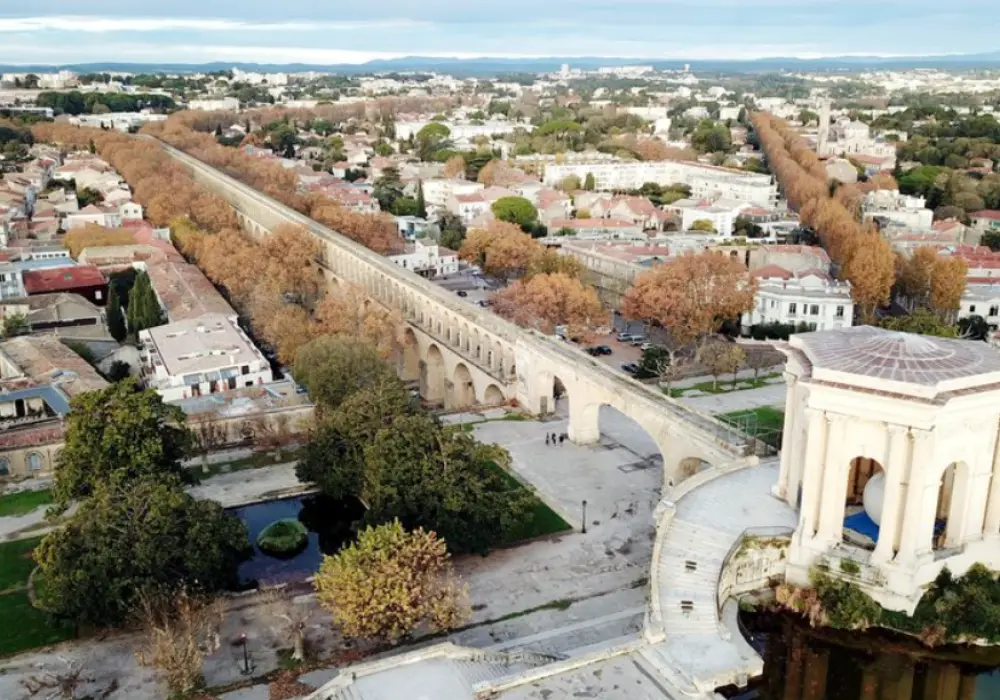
[
  {"x": 972, "y": 308},
  {"x": 34, "y": 462},
  {"x": 245, "y": 369},
  {"x": 840, "y": 312},
  {"x": 814, "y": 310},
  {"x": 772, "y": 303},
  {"x": 4, "y": 466},
  {"x": 994, "y": 310},
  {"x": 792, "y": 308}
]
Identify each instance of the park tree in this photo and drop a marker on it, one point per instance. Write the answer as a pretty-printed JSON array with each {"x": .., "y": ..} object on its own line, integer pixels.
[
  {"x": 721, "y": 358},
  {"x": 922, "y": 321},
  {"x": 391, "y": 583},
  {"x": 870, "y": 268},
  {"x": 118, "y": 435},
  {"x": 431, "y": 140},
  {"x": 947, "y": 285},
  {"x": 570, "y": 183},
  {"x": 501, "y": 249},
  {"x": 332, "y": 368},
  {"x": 146, "y": 536},
  {"x": 691, "y": 296},
  {"x": 545, "y": 301},
  {"x": 454, "y": 167},
  {"x": 291, "y": 270},
  {"x": 14, "y": 324},
  {"x": 516, "y": 210},
  {"x": 589, "y": 183},
  {"x": 758, "y": 361},
  {"x": 388, "y": 188},
  {"x": 144, "y": 309},
  {"x": 452, "y": 230},
  {"x": 115, "y": 317},
  {"x": 345, "y": 311},
  {"x": 915, "y": 275},
  {"x": 442, "y": 480},
  {"x": 548, "y": 262},
  {"x": 703, "y": 225},
  {"x": 991, "y": 239},
  {"x": 180, "y": 629}
]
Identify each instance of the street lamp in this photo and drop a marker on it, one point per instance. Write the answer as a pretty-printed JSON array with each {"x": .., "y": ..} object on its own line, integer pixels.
[
  {"x": 585, "y": 516},
  {"x": 247, "y": 668}
]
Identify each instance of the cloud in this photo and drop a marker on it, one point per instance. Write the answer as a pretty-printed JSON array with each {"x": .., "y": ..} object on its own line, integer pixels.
[{"x": 96, "y": 24}]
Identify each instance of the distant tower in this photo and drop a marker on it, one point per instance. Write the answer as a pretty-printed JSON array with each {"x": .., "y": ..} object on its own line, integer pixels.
[
  {"x": 824, "y": 128},
  {"x": 565, "y": 70}
]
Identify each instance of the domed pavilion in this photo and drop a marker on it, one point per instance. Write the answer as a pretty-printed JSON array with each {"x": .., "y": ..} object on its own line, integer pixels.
[{"x": 890, "y": 455}]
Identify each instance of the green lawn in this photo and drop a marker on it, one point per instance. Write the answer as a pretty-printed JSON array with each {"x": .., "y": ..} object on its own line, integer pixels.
[
  {"x": 22, "y": 626},
  {"x": 16, "y": 563},
  {"x": 724, "y": 386},
  {"x": 769, "y": 422},
  {"x": 543, "y": 520},
  {"x": 23, "y": 502},
  {"x": 255, "y": 461}
]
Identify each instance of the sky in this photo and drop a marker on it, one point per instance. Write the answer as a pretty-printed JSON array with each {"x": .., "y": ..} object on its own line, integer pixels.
[{"x": 353, "y": 31}]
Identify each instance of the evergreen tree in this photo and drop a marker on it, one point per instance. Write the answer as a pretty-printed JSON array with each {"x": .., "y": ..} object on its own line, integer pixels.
[
  {"x": 116, "y": 320},
  {"x": 143, "y": 307},
  {"x": 589, "y": 182},
  {"x": 421, "y": 204}
]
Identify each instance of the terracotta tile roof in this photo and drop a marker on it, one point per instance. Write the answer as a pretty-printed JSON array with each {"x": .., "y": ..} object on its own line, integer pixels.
[
  {"x": 60, "y": 279},
  {"x": 773, "y": 271},
  {"x": 993, "y": 214}
]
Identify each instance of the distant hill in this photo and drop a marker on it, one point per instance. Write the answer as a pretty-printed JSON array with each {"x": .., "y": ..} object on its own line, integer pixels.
[{"x": 487, "y": 66}]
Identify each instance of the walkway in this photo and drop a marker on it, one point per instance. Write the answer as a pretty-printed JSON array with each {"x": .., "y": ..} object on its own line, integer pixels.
[
  {"x": 770, "y": 395},
  {"x": 701, "y": 653}
]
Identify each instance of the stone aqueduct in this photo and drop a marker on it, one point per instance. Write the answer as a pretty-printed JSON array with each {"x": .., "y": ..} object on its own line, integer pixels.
[{"x": 464, "y": 356}]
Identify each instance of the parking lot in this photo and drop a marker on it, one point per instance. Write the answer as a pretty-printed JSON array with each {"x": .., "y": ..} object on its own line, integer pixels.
[{"x": 621, "y": 353}]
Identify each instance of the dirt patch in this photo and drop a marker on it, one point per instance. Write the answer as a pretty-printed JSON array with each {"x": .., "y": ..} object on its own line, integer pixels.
[{"x": 286, "y": 687}]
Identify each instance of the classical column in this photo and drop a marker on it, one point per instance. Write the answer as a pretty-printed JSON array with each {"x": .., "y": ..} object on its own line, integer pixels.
[
  {"x": 584, "y": 422},
  {"x": 916, "y": 484},
  {"x": 834, "y": 495},
  {"x": 896, "y": 465},
  {"x": 813, "y": 471},
  {"x": 787, "y": 451},
  {"x": 991, "y": 525},
  {"x": 814, "y": 683}
]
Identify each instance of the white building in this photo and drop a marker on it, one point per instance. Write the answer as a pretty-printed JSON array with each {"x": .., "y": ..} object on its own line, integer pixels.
[
  {"x": 122, "y": 121},
  {"x": 11, "y": 281},
  {"x": 808, "y": 296},
  {"x": 427, "y": 259},
  {"x": 890, "y": 455},
  {"x": 705, "y": 181},
  {"x": 438, "y": 191},
  {"x": 107, "y": 215},
  {"x": 461, "y": 130},
  {"x": 899, "y": 208},
  {"x": 204, "y": 355},
  {"x": 722, "y": 213},
  {"x": 219, "y": 104}
]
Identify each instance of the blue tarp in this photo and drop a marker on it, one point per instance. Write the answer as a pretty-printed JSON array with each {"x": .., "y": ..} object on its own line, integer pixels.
[{"x": 860, "y": 522}]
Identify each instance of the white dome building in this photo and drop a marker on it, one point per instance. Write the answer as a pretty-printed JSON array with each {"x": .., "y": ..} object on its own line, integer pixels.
[{"x": 921, "y": 416}]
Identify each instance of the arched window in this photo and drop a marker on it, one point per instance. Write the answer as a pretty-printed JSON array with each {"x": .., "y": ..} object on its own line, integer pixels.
[
  {"x": 34, "y": 462},
  {"x": 4, "y": 466}
]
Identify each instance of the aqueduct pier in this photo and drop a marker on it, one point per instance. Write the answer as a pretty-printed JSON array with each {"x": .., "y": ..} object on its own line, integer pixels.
[{"x": 465, "y": 356}]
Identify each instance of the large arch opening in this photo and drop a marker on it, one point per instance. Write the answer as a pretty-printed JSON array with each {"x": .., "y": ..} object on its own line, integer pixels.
[
  {"x": 864, "y": 495},
  {"x": 949, "y": 512},
  {"x": 432, "y": 376},
  {"x": 463, "y": 391},
  {"x": 493, "y": 396},
  {"x": 409, "y": 357},
  {"x": 559, "y": 402}
]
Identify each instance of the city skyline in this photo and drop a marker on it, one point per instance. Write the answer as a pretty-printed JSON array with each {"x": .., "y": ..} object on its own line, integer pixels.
[{"x": 644, "y": 29}]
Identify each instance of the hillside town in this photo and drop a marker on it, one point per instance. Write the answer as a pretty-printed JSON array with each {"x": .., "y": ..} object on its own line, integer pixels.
[{"x": 565, "y": 384}]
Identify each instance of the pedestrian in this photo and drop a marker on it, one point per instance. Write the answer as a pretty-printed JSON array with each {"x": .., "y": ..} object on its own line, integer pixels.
[
  {"x": 553, "y": 438},
  {"x": 547, "y": 438},
  {"x": 561, "y": 438}
]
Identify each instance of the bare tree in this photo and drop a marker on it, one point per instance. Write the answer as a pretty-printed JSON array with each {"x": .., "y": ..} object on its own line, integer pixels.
[
  {"x": 758, "y": 361},
  {"x": 209, "y": 435},
  {"x": 291, "y": 619},
  {"x": 181, "y": 630}
]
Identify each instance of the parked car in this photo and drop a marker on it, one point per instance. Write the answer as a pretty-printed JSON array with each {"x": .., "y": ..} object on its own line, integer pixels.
[
  {"x": 597, "y": 350},
  {"x": 624, "y": 337},
  {"x": 646, "y": 346},
  {"x": 637, "y": 340},
  {"x": 630, "y": 367},
  {"x": 482, "y": 303},
  {"x": 462, "y": 293}
]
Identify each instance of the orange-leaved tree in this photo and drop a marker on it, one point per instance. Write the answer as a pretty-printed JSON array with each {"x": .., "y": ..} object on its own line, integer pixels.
[
  {"x": 548, "y": 300},
  {"x": 501, "y": 249}
]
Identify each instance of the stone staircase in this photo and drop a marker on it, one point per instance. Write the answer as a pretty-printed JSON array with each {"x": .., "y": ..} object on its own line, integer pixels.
[{"x": 691, "y": 560}]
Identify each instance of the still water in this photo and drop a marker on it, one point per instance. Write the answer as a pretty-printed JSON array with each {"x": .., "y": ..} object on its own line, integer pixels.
[
  {"x": 801, "y": 663},
  {"x": 330, "y": 525}
]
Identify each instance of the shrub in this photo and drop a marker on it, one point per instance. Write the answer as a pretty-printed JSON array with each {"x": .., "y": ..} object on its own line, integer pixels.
[{"x": 283, "y": 538}]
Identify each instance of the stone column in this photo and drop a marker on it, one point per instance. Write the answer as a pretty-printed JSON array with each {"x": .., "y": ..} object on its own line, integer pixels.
[
  {"x": 781, "y": 489},
  {"x": 814, "y": 683},
  {"x": 913, "y": 510},
  {"x": 991, "y": 525},
  {"x": 584, "y": 422},
  {"x": 896, "y": 466},
  {"x": 812, "y": 484},
  {"x": 834, "y": 495},
  {"x": 869, "y": 684}
]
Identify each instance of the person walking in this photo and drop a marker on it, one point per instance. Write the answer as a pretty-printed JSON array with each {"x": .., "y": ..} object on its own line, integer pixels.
[{"x": 547, "y": 441}]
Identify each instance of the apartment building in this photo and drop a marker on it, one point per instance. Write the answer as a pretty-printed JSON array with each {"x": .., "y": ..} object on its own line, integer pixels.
[{"x": 809, "y": 296}]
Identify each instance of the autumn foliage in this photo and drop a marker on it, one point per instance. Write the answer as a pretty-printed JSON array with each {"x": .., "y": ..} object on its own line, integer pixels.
[
  {"x": 545, "y": 301},
  {"x": 691, "y": 295},
  {"x": 501, "y": 249},
  {"x": 93, "y": 235},
  {"x": 803, "y": 180}
]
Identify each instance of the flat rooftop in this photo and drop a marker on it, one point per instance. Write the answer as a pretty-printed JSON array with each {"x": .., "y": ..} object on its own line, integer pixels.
[
  {"x": 200, "y": 345},
  {"x": 185, "y": 292}
]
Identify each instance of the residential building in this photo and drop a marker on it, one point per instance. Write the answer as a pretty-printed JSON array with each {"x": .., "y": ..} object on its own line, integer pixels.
[
  {"x": 438, "y": 191},
  {"x": 598, "y": 229},
  {"x": 85, "y": 280},
  {"x": 122, "y": 121},
  {"x": 38, "y": 377},
  {"x": 705, "y": 181},
  {"x": 427, "y": 259},
  {"x": 721, "y": 213},
  {"x": 199, "y": 356},
  {"x": 11, "y": 281},
  {"x": 901, "y": 209},
  {"x": 217, "y": 104},
  {"x": 107, "y": 215},
  {"x": 184, "y": 292},
  {"x": 789, "y": 257},
  {"x": 808, "y": 296},
  {"x": 411, "y": 227},
  {"x": 985, "y": 220}
]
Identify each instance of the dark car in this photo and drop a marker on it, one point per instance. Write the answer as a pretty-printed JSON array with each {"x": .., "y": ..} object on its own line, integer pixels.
[
  {"x": 630, "y": 367},
  {"x": 603, "y": 350},
  {"x": 462, "y": 293}
]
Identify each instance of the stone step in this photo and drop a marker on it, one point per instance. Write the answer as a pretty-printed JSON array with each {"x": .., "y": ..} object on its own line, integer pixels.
[
  {"x": 683, "y": 531},
  {"x": 653, "y": 662},
  {"x": 678, "y": 572}
]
